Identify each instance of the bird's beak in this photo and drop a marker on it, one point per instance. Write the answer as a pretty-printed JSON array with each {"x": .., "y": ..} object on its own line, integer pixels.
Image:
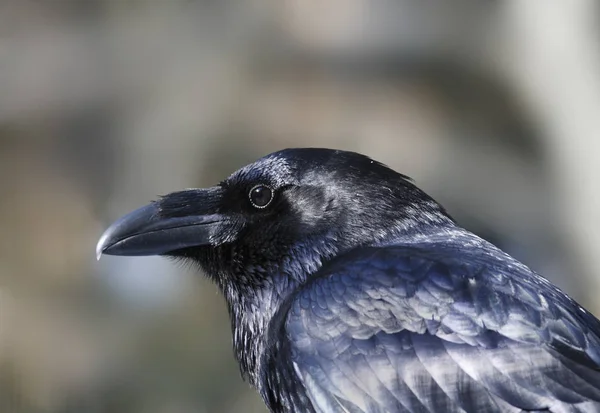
[{"x": 180, "y": 220}]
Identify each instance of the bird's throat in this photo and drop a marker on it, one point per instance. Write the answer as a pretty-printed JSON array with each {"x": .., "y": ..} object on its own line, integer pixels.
[
  {"x": 257, "y": 294},
  {"x": 251, "y": 312}
]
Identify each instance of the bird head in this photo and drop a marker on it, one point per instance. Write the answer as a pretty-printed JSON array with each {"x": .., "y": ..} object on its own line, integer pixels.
[{"x": 285, "y": 214}]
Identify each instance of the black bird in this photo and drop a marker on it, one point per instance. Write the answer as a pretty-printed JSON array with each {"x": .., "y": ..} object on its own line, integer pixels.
[{"x": 351, "y": 290}]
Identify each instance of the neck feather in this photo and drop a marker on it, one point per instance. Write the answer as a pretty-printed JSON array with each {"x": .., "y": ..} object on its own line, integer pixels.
[{"x": 254, "y": 293}]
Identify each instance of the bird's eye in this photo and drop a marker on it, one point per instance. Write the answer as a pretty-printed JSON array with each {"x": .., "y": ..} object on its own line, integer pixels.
[{"x": 261, "y": 196}]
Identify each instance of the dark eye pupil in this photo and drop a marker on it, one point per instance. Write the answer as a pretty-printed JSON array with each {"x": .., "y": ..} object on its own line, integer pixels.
[{"x": 261, "y": 196}]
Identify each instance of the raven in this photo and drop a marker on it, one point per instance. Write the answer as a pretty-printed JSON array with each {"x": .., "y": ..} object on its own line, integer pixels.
[{"x": 351, "y": 290}]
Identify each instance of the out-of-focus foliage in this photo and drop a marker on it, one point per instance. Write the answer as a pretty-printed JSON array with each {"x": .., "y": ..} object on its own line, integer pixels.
[{"x": 105, "y": 104}]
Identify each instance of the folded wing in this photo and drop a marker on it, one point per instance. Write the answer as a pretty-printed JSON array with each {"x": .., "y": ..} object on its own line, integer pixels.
[{"x": 400, "y": 329}]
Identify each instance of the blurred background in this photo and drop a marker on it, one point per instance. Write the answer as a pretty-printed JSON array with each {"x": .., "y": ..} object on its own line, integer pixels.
[{"x": 492, "y": 107}]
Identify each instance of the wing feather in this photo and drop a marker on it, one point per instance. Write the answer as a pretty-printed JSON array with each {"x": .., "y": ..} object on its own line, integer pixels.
[{"x": 401, "y": 329}]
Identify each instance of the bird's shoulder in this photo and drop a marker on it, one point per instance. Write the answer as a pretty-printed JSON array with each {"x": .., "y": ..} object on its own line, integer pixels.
[
  {"x": 460, "y": 292},
  {"x": 438, "y": 326}
]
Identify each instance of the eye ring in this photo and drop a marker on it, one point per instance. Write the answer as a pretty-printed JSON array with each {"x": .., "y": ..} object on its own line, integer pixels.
[{"x": 261, "y": 196}]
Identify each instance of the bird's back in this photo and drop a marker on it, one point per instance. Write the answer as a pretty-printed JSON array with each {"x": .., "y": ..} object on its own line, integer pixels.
[{"x": 447, "y": 324}]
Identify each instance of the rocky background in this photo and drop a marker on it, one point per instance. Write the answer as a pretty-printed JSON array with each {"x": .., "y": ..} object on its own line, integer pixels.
[{"x": 493, "y": 107}]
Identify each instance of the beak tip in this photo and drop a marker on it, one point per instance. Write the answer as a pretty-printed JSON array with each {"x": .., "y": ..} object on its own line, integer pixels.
[
  {"x": 101, "y": 246},
  {"x": 122, "y": 228}
]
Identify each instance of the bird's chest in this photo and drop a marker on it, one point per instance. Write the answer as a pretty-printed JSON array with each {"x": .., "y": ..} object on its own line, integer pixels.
[{"x": 279, "y": 385}]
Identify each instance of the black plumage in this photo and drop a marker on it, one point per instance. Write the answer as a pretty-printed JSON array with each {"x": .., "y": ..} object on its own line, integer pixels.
[{"x": 351, "y": 290}]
